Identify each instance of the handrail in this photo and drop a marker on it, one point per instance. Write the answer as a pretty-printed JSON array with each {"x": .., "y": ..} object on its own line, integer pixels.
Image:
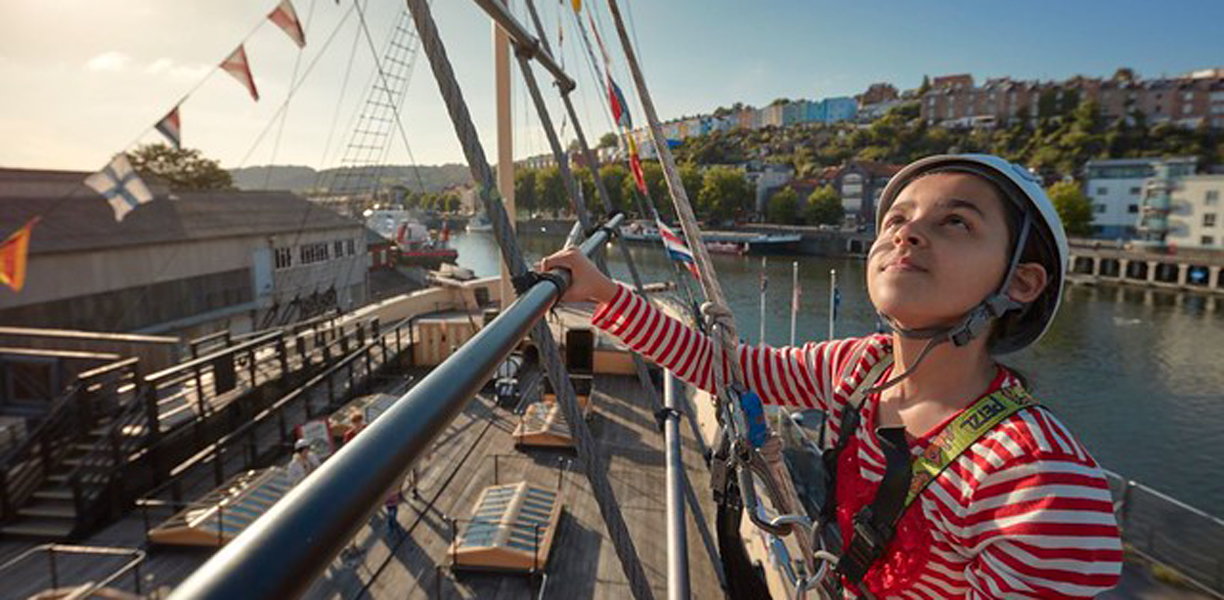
[
  {"x": 208, "y": 358},
  {"x": 137, "y": 555},
  {"x": 211, "y": 450},
  {"x": 270, "y": 560},
  {"x": 135, "y": 413}
]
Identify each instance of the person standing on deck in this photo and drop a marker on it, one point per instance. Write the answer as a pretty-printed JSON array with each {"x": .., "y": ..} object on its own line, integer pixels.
[
  {"x": 968, "y": 264},
  {"x": 303, "y": 462},
  {"x": 356, "y": 424}
]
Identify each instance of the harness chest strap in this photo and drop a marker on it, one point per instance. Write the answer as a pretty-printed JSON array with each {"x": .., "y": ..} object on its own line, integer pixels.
[{"x": 905, "y": 479}]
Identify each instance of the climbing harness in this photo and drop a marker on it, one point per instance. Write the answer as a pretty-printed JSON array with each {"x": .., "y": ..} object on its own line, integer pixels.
[{"x": 874, "y": 526}]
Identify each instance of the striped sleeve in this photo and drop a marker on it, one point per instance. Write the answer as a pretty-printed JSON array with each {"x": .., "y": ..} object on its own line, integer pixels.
[
  {"x": 1043, "y": 524},
  {"x": 802, "y": 377}
]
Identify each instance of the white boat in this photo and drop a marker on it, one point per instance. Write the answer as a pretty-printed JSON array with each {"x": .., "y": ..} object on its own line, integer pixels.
[{"x": 480, "y": 224}]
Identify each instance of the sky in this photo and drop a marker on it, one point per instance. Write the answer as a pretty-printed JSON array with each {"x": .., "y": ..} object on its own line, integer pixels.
[{"x": 83, "y": 80}]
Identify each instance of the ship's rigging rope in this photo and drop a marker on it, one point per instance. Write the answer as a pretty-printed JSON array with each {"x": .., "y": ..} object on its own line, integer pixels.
[
  {"x": 747, "y": 455},
  {"x": 593, "y": 464}
]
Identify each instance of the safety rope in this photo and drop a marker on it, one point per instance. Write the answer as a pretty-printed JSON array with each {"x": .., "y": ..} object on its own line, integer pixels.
[
  {"x": 760, "y": 456},
  {"x": 592, "y": 462}
]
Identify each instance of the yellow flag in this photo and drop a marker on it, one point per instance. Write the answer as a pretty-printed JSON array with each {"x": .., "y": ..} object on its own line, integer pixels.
[
  {"x": 13, "y": 252},
  {"x": 577, "y": 6}
]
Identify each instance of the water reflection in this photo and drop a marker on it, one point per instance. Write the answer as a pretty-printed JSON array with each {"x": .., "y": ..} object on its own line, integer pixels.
[{"x": 1134, "y": 372}]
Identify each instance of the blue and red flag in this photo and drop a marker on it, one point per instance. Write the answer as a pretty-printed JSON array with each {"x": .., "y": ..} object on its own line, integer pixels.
[
  {"x": 677, "y": 249},
  {"x": 620, "y": 108}
]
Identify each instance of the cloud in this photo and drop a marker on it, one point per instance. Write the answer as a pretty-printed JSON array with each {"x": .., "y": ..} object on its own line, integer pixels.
[
  {"x": 167, "y": 69},
  {"x": 109, "y": 61},
  {"x": 158, "y": 66}
]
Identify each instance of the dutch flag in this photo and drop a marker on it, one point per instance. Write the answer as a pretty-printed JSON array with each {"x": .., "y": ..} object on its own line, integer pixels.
[{"x": 676, "y": 248}]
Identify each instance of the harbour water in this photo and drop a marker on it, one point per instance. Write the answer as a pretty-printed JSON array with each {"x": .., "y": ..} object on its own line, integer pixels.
[{"x": 1136, "y": 374}]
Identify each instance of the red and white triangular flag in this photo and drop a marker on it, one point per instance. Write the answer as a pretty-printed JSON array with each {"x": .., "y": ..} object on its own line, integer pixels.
[
  {"x": 236, "y": 64},
  {"x": 169, "y": 126},
  {"x": 286, "y": 18}
]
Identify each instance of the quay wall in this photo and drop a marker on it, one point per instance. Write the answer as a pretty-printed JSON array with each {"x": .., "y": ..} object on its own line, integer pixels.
[{"x": 1191, "y": 271}]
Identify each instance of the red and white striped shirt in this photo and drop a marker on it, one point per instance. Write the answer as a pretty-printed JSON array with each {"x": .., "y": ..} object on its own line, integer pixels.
[{"x": 1024, "y": 512}]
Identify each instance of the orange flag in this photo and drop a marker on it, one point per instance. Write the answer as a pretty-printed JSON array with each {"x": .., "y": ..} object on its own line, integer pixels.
[{"x": 13, "y": 253}]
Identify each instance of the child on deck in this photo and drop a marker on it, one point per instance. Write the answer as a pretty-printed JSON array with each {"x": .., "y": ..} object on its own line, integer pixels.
[{"x": 968, "y": 264}]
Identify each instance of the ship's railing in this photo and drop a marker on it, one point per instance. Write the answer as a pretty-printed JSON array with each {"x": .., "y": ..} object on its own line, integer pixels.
[
  {"x": 1165, "y": 530},
  {"x": 265, "y": 437},
  {"x": 270, "y": 560},
  {"x": 60, "y": 560}
]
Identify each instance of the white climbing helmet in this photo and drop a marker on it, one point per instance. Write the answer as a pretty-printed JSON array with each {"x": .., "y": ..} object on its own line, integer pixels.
[{"x": 1021, "y": 187}]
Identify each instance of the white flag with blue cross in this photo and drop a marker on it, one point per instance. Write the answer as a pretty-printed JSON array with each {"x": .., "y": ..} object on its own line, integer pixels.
[{"x": 120, "y": 185}]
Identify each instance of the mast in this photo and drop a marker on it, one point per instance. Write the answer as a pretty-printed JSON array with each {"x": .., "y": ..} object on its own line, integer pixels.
[{"x": 505, "y": 141}]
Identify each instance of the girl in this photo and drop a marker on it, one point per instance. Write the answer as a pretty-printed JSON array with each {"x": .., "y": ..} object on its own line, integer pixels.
[{"x": 968, "y": 264}]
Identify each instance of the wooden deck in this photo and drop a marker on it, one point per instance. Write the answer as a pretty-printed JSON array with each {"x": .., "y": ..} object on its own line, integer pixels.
[{"x": 411, "y": 558}]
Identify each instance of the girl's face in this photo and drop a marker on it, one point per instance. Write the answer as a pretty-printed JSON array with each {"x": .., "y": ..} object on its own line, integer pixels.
[{"x": 942, "y": 248}]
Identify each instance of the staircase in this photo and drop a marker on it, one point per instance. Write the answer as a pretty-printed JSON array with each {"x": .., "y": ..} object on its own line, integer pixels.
[{"x": 61, "y": 468}]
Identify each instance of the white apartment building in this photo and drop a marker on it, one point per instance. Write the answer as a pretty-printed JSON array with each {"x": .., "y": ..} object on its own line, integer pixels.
[{"x": 1196, "y": 216}]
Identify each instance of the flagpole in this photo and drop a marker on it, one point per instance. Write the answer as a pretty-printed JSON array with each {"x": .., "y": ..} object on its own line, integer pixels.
[
  {"x": 764, "y": 284},
  {"x": 832, "y": 300},
  {"x": 794, "y": 298}
]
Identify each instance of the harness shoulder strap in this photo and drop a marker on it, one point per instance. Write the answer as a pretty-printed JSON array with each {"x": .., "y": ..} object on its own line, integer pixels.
[
  {"x": 904, "y": 480},
  {"x": 962, "y": 433}
]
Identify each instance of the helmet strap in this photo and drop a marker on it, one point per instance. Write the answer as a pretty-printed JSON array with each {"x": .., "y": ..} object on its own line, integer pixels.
[{"x": 975, "y": 323}]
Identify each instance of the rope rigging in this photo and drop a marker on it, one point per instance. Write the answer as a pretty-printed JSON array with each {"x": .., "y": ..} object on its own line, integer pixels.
[
  {"x": 747, "y": 446},
  {"x": 592, "y": 462}
]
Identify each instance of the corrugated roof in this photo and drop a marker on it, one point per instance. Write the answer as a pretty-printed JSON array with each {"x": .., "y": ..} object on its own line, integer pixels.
[{"x": 75, "y": 218}]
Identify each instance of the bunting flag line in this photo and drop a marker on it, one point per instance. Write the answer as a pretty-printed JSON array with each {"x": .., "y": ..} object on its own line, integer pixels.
[
  {"x": 286, "y": 18},
  {"x": 120, "y": 185},
  {"x": 635, "y": 165},
  {"x": 676, "y": 248},
  {"x": 620, "y": 109},
  {"x": 13, "y": 254},
  {"x": 169, "y": 126},
  {"x": 236, "y": 64}
]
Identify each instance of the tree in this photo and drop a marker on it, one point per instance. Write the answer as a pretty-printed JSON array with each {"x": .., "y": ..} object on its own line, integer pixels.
[
  {"x": 609, "y": 140},
  {"x": 550, "y": 190},
  {"x": 586, "y": 184},
  {"x": 185, "y": 169},
  {"x": 525, "y": 197},
  {"x": 449, "y": 201},
  {"x": 824, "y": 207},
  {"x": 724, "y": 194},
  {"x": 783, "y": 207},
  {"x": 614, "y": 177},
  {"x": 1074, "y": 208}
]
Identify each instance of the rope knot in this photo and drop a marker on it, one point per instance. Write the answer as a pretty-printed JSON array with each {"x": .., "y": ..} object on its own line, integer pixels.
[{"x": 717, "y": 315}]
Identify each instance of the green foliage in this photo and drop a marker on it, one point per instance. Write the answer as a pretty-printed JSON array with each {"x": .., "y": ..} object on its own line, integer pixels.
[
  {"x": 652, "y": 173},
  {"x": 1067, "y": 134},
  {"x": 724, "y": 194},
  {"x": 1074, "y": 208},
  {"x": 525, "y": 197},
  {"x": 550, "y": 190},
  {"x": 586, "y": 182},
  {"x": 185, "y": 170},
  {"x": 608, "y": 140},
  {"x": 783, "y": 207},
  {"x": 448, "y": 201},
  {"x": 824, "y": 207},
  {"x": 614, "y": 178}
]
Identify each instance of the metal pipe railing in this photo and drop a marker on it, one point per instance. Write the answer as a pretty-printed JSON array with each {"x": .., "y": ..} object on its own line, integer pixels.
[
  {"x": 677, "y": 534},
  {"x": 524, "y": 40},
  {"x": 282, "y": 552}
]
